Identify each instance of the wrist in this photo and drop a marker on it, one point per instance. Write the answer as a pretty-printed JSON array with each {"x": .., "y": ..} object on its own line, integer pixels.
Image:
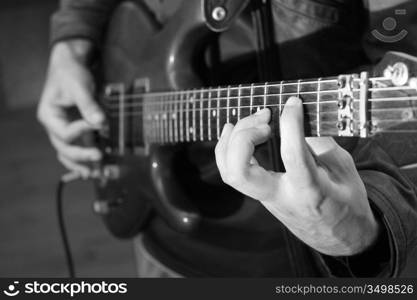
[{"x": 78, "y": 50}]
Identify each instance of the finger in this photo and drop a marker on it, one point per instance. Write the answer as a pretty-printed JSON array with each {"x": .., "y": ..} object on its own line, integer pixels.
[
  {"x": 84, "y": 171},
  {"x": 76, "y": 153},
  {"x": 248, "y": 178},
  {"x": 56, "y": 122},
  {"x": 298, "y": 161},
  {"x": 88, "y": 107},
  {"x": 261, "y": 117},
  {"x": 331, "y": 156},
  {"x": 221, "y": 147}
]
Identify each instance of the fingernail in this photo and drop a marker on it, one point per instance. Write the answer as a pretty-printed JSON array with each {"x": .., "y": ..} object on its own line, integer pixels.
[
  {"x": 293, "y": 101},
  {"x": 261, "y": 112}
]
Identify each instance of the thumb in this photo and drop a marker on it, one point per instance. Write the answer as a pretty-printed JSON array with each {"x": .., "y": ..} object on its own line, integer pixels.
[
  {"x": 88, "y": 107},
  {"x": 297, "y": 158}
]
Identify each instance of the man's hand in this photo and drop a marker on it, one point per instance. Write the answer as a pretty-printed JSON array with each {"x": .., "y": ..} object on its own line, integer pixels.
[
  {"x": 69, "y": 84},
  {"x": 320, "y": 198}
]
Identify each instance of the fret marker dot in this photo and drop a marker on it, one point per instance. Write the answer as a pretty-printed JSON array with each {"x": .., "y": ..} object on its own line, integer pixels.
[
  {"x": 191, "y": 130},
  {"x": 234, "y": 112},
  {"x": 156, "y": 117},
  {"x": 191, "y": 99},
  {"x": 174, "y": 116},
  {"x": 164, "y": 116},
  {"x": 214, "y": 113}
]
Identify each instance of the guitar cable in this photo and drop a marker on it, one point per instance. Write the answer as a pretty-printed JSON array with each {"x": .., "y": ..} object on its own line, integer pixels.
[{"x": 65, "y": 179}]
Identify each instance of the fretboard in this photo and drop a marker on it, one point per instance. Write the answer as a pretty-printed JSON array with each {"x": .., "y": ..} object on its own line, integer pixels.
[{"x": 336, "y": 106}]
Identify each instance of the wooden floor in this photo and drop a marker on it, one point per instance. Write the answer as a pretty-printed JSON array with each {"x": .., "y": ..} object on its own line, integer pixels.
[{"x": 30, "y": 244}]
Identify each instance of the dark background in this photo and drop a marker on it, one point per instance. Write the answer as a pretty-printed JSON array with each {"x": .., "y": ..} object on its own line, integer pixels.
[{"x": 30, "y": 244}]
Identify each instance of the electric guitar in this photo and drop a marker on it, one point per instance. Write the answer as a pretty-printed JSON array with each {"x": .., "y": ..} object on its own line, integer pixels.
[{"x": 153, "y": 108}]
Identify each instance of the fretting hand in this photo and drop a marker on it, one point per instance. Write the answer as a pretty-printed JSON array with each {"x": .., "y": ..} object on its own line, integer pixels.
[{"x": 320, "y": 198}]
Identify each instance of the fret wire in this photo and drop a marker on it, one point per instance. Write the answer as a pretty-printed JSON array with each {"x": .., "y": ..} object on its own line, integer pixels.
[
  {"x": 201, "y": 117},
  {"x": 238, "y": 102},
  {"x": 251, "y": 98},
  {"x": 298, "y": 88},
  {"x": 165, "y": 117},
  {"x": 318, "y": 107},
  {"x": 265, "y": 91},
  {"x": 170, "y": 119},
  {"x": 187, "y": 121},
  {"x": 218, "y": 114},
  {"x": 182, "y": 118},
  {"x": 208, "y": 116},
  {"x": 194, "y": 114},
  {"x": 176, "y": 125},
  {"x": 280, "y": 97},
  {"x": 228, "y": 104},
  {"x": 161, "y": 120}
]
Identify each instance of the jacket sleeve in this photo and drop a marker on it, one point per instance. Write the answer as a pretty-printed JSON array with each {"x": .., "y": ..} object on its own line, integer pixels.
[
  {"x": 81, "y": 19},
  {"x": 392, "y": 192}
]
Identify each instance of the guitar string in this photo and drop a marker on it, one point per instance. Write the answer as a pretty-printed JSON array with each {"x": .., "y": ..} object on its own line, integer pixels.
[
  {"x": 187, "y": 108},
  {"x": 240, "y": 87},
  {"x": 198, "y": 137},
  {"x": 191, "y": 94},
  {"x": 259, "y": 98},
  {"x": 197, "y": 111}
]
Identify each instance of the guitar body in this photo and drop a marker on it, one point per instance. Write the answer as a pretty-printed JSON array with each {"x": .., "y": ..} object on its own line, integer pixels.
[{"x": 140, "y": 55}]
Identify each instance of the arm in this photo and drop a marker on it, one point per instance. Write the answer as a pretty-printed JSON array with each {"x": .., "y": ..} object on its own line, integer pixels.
[
  {"x": 77, "y": 28},
  {"x": 81, "y": 19}
]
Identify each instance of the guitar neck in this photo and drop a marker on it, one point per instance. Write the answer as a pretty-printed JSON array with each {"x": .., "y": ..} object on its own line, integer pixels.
[{"x": 347, "y": 105}]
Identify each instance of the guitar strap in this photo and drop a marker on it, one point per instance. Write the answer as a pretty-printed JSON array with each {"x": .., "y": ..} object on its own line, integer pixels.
[
  {"x": 267, "y": 56},
  {"x": 269, "y": 70}
]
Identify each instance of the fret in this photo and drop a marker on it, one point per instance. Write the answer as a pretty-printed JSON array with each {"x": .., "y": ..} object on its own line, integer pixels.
[
  {"x": 251, "y": 99},
  {"x": 318, "y": 108},
  {"x": 162, "y": 121},
  {"x": 218, "y": 113},
  {"x": 265, "y": 92},
  {"x": 187, "y": 114},
  {"x": 246, "y": 99},
  {"x": 201, "y": 116},
  {"x": 259, "y": 99},
  {"x": 175, "y": 117},
  {"x": 281, "y": 87},
  {"x": 165, "y": 118},
  {"x": 228, "y": 104},
  {"x": 180, "y": 103},
  {"x": 194, "y": 103},
  {"x": 298, "y": 88},
  {"x": 239, "y": 100},
  {"x": 209, "y": 115},
  {"x": 233, "y": 105},
  {"x": 170, "y": 119},
  {"x": 154, "y": 127}
]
